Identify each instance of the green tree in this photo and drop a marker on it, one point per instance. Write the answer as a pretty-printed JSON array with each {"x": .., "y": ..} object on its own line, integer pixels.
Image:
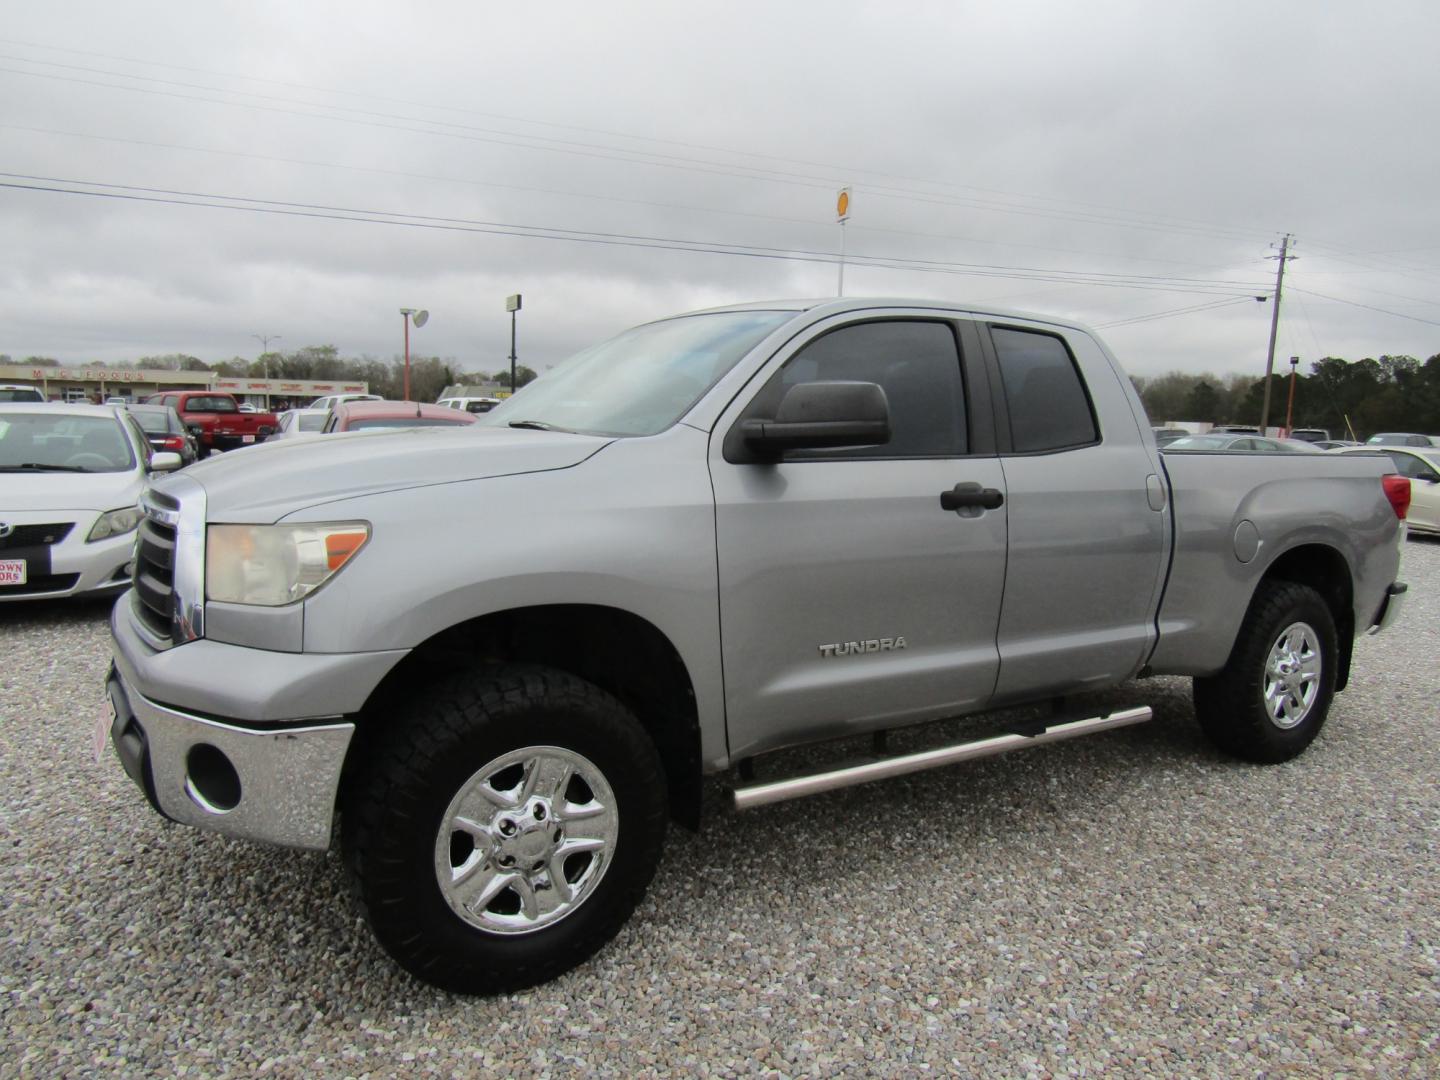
[{"x": 1203, "y": 402}]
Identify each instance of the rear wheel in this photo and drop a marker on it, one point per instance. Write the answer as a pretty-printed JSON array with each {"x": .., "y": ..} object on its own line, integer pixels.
[
  {"x": 1270, "y": 700},
  {"x": 505, "y": 828}
]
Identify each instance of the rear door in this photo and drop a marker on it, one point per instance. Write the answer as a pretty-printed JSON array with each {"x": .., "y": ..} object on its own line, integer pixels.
[
  {"x": 850, "y": 599},
  {"x": 1088, "y": 516}
]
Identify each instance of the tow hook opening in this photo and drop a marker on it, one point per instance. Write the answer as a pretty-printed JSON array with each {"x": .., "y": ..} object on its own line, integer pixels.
[{"x": 211, "y": 780}]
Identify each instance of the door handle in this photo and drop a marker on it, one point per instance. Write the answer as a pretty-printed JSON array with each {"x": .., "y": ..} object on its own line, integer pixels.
[{"x": 971, "y": 495}]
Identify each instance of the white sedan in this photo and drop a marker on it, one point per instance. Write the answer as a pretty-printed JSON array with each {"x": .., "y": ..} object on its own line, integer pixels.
[
  {"x": 70, "y": 483},
  {"x": 1422, "y": 467}
]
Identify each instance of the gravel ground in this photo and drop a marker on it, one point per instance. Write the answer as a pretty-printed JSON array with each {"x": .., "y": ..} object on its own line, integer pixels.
[{"x": 1128, "y": 903}]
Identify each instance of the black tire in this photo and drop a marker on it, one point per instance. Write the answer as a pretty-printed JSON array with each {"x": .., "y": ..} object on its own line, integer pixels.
[
  {"x": 429, "y": 753},
  {"x": 1232, "y": 706}
]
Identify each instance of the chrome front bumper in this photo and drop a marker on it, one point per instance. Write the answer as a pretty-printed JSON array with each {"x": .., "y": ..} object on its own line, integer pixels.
[{"x": 276, "y": 784}]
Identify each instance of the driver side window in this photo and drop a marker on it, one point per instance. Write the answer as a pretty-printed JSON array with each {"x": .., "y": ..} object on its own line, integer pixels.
[{"x": 917, "y": 364}]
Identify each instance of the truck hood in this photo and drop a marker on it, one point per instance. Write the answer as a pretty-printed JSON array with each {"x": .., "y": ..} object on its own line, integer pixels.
[
  {"x": 69, "y": 491},
  {"x": 265, "y": 482}
]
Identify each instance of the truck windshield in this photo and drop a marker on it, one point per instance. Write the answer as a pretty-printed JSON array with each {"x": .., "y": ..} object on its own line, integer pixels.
[{"x": 641, "y": 382}]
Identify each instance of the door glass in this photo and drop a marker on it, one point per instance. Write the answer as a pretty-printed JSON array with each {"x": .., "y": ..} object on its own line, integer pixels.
[{"x": 916, "y": 363}]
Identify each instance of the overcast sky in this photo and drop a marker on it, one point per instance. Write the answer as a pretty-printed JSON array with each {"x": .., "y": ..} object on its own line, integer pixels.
[{"x": 1103, "y": 162}]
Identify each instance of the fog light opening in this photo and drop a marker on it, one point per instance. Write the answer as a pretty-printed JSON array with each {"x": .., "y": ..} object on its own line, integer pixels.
[{"x": 210, "y": 780}]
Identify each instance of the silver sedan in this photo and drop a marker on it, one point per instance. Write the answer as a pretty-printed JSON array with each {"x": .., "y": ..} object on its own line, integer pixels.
[{"x": 70, "y": 481}]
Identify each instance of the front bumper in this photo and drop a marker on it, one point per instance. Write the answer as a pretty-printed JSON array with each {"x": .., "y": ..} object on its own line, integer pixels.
[
  {"x": 243, "y": 741},
  {"x": 277, "y": 786}
]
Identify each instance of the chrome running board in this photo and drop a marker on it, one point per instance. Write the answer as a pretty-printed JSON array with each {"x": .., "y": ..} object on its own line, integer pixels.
[{"x": 747, "y": 798}]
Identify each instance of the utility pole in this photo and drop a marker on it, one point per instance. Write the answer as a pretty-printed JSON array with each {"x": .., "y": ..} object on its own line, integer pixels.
[
  {"x": 1284, "y": 257},
  {"x": 512, "y": 305}
]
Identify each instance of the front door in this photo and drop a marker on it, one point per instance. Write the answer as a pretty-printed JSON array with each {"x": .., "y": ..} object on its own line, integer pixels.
[{"x": 850, "y": 599}]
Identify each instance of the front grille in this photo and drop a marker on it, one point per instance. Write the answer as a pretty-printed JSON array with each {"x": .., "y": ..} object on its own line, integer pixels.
[
  {"x": 155, "y": 575},
  {"x": 36, "y": 535},
  {"x": 43, "y": 583}
]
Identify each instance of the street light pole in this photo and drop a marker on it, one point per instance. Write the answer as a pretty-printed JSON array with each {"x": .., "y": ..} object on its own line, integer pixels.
[
  {"x": 512, "y": 305},
  {"x": 1290, "y": 408},
  {"x": 420, "y": 317},
  {"x": 265, "y": 340}
]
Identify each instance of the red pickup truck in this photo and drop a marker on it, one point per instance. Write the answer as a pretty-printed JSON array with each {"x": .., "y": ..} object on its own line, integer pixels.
[{"x": 216, "y": 419}]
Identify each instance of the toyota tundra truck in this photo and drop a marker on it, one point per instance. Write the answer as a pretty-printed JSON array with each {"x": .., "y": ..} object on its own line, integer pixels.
[{"x": 494, "y": 662}]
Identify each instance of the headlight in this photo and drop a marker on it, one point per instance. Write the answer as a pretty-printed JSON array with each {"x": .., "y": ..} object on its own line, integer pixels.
[
  {"x": 276, "y": 564},
  {"x": 115, "y": 523}
]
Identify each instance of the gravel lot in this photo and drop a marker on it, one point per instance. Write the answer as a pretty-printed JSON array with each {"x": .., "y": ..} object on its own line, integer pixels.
[{"x": 1129, "y": 903}]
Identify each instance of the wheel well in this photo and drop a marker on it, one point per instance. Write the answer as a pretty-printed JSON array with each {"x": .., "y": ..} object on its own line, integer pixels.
[
  {"x": 613, "y": 649},
  {"x": 1324, "y": 569}
]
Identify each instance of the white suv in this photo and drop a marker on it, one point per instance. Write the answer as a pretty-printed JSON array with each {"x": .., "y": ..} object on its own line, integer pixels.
[
  {"x": 20, "y": 392},
  {"x": 470, "y": 404},
  {"x": 330, "y": 401}
]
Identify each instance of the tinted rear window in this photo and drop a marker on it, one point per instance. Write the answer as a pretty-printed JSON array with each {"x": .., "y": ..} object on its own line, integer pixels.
[{"x": 1046, "y": 400}]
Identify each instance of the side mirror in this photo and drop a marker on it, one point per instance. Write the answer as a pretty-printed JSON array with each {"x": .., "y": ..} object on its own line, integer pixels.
[
  {"x": 822, "y": 415},
  {"x": 165, "y": 461}
]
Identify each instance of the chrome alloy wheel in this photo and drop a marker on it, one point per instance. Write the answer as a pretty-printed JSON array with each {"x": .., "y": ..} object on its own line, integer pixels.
[
  {"x": 1292, "y": 675},
  {"x": 526, "y": 840}
]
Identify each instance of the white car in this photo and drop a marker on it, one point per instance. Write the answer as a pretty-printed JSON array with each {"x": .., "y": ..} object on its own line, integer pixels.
[
  {"x": 20, "y": 392},
  {"x": 1421, "y": 465},
  {"x": 298, "y": 423},
  {"x": 330, "y": 401},
  {"x": 70, "y": 483},
  {"x": 470, "y": 404}
]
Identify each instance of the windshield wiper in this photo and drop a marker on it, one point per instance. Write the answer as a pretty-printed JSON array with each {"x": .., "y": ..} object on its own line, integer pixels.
[
  {"x": 536, "y": 425},
  {"x": 40, "y": 466}
]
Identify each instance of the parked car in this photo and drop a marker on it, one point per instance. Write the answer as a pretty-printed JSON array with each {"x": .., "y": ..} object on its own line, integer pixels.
[
  {"x": 377, "y": 415},
  {"x": 1164, "y": 435},
  {"x": 1398, "y": 438},
  {"x": 70, "y": 483},
  {"x": 216, "y": 419},
  {"x": 470, "y": 404},
  {"x": 1421, "y": 466},
  {"x": 166, "y": 431},
  {"x": 19, "y": 392},
  {"x": 1310, "y": 434},
  {"x": 1234, "y": 429},
  {"x": 1335, "y": 444},
  {"x": 297, "y": 423},
  {"x": 1251, "y": 443},
  {"x": 245, "y": 406},
  {"x": 506, "y": 655},
  {"x": 331, "y": 400}
]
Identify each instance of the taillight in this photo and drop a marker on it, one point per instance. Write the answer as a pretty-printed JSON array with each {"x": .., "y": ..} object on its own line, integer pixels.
[
  {"x": 1397, "y": 490},
  {"x": 172, "y": 442}
]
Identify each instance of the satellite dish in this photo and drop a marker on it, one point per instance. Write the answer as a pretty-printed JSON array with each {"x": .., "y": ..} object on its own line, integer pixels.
[{"x": 421, "y": 318}]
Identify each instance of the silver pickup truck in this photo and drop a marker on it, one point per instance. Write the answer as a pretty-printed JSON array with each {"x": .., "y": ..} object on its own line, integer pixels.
[{"x": 503, "y": 657}]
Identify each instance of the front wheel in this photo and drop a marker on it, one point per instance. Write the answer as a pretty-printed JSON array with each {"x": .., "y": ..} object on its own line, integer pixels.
[
  {"x": 504, "y": 828},
  {"x": 1270, "y": 700}
]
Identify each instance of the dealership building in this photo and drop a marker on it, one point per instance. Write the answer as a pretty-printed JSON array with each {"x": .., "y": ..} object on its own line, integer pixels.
[{"x": 99, "y": 384}]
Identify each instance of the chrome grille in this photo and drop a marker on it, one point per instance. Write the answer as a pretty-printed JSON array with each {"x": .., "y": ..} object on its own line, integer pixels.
[
  {"x": 167, "y": 605},
  {"x": 155, "y": 576}
]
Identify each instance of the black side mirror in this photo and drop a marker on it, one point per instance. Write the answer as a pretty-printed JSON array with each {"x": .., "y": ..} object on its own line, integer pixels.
[{"x": 822, "y": 415}]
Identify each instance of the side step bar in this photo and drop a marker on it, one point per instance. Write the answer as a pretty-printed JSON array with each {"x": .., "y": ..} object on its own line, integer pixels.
[{"x": 747, "y": 798}]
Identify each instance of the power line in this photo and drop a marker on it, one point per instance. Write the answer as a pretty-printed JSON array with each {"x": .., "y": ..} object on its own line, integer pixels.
[
  {"x": 743, "y": 172},
  {"x": 847, "y": 170},
  {"x": 340, "y": 213},
  {"x": 1177, "y": 311},
  {"x": 1367, "y": 307}
]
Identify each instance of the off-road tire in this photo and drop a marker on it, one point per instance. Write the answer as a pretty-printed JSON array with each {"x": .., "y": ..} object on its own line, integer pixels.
[
  {"x": 1230, "y": 705},
  {"x": 430, "y": 748}
]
